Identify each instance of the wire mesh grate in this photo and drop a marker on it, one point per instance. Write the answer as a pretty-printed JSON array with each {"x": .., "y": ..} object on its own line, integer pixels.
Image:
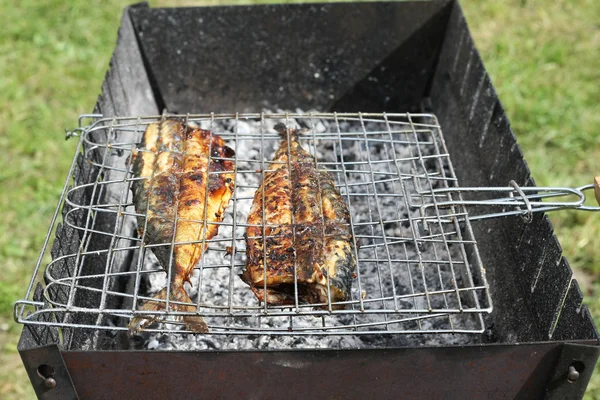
[{"x": 418, "y": 268}]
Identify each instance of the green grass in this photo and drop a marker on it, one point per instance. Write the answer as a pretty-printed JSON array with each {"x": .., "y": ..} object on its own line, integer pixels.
[{"x": 541, "y": 55}]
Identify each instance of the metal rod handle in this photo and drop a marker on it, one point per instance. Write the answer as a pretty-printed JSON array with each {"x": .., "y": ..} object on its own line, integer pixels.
[{"x": 523, "y": 201}]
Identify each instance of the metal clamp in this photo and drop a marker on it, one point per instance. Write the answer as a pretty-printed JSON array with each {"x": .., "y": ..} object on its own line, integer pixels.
[
  {"x": 527, "y": 218},
  {"x": 523, "y": 201}
]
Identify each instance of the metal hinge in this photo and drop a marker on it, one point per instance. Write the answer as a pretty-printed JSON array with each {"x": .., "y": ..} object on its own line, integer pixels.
[
  {"x": 48, "y": 373},
  {"x": 572, "y": 371},
  {"x": 43, "y": 360}
]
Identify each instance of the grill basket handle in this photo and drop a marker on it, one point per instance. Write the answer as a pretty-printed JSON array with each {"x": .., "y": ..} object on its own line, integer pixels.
[{"x": 518, "y": 200}]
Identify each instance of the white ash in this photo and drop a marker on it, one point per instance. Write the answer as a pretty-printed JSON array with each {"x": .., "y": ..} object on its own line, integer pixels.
[{"x": 378, "y": 279}]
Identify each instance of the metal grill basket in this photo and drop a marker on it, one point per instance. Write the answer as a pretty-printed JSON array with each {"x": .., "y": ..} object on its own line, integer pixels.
[{"x": 413, "y": 276}]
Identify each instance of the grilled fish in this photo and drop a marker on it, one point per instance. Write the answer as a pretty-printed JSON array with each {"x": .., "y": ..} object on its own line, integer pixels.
[
  {"x": 183, "y": 188},
  {"x": 306, "y": 223}
]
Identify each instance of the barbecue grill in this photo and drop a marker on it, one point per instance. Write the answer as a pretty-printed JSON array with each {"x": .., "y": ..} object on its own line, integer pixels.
[{"x": 460, "y": 279}]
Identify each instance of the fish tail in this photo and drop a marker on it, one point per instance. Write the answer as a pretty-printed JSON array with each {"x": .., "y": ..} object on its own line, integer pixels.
[{"x": 192, "y": 322}]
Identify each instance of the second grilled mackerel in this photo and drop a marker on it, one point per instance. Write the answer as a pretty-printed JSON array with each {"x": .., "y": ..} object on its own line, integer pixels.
[{"x": 307, "y": 253}]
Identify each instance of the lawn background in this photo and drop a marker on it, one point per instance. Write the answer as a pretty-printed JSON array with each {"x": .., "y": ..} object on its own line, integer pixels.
[{"x": 541, "y": 55}]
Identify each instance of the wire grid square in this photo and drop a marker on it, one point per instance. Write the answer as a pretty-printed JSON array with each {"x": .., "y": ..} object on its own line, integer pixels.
[{"x": 418, "y": 268}]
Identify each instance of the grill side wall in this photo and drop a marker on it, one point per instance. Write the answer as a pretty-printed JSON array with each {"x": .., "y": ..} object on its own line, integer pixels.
[{"x": 349, "y": 56}]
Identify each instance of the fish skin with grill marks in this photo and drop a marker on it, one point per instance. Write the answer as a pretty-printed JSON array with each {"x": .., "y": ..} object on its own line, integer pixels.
[
  {"x": 307, "y": 226},
  {"x": 176, "y": 164}
]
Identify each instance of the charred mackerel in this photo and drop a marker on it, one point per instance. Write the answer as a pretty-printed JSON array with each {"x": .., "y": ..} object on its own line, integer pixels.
[
  {"x": 185, "y": 183},
  {"x": 306, "y": 223}
]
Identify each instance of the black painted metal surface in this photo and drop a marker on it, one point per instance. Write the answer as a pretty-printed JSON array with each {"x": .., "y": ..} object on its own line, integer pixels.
[{"x": 245, "y": 58}]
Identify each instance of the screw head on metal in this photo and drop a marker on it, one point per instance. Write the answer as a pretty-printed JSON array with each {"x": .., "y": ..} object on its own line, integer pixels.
[
  {"x": 50, "y": 383},
  {"x": 573, "y": 374}
]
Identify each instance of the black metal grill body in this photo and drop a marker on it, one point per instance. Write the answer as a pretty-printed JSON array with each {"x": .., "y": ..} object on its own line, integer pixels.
[{"x": 394, "y": 57}]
